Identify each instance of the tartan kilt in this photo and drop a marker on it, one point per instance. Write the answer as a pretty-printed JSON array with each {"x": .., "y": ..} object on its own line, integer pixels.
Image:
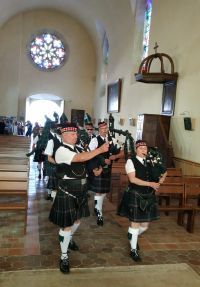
[
  {"x": 101, "y": 183},
  {"x": 67, "y": 209},
  {"x": 138, "y": 207},
  {"x": 52, "y": 181},
  {"x": 39, "y": 156}
]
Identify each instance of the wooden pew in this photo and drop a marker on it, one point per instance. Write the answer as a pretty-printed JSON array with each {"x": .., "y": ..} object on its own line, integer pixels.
[
  {"x": 13, "y": 176},
  {"x": 14, "y": 161},
  {"x": 13, "y": 167},
  {"x": 192, "y": 195},
  {"x": 174, "y": 175},
  {"x": 123, "y": 183},
  {"x": 174, "y": 172},
  {"x": 13, "y": 155},
  {"x": 117, "y": 169},
  {"x": 177, "y": 192},
  {"x": 17, "y": 190}
]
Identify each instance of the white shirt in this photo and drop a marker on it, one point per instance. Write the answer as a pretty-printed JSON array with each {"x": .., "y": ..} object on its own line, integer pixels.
[
  {"x": 50, "y": 146},
  {"x": 94, "y": 142},
  {"x": 64, "y": 155},
  {"x": 129, "y": 166}
]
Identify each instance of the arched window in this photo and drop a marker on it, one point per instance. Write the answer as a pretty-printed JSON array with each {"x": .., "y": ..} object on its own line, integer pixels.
[
  {"x": 47, "y": 51},
  {"x": 147, "y": 24},
  {"x": 105, "y": 49}
]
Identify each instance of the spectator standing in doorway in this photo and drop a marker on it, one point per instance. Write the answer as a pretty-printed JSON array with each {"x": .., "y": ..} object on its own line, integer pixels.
[
  {"x": 29, "y": 128},
  {"x": 36, "y": 130}
]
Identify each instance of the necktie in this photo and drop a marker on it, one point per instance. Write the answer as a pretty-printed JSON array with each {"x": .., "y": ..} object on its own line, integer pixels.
[{"x": 144, "y": 162}]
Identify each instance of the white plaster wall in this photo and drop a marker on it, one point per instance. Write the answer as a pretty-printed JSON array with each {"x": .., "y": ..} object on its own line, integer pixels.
[
  {"x": 175, "y": 26},
  {"x": 74, "y": 82},
  {"x": 125, "y": 56}
]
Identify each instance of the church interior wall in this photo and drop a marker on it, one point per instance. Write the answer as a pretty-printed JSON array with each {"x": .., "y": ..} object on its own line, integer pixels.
[
  {"x": 19, "y": 79},
  {"x": 84, "y": 77},
  {"x": 174, "y": 27}
]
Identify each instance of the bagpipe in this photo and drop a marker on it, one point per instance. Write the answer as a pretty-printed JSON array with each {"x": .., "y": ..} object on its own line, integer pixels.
[
  {"x": 156, "y": 163},
  {"x": 114, "y": 147}
]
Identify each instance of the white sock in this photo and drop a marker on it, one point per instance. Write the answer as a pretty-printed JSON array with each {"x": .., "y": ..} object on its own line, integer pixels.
[
  {"x": 97, "y": 199},
  {"x": 99, "y": 202},
  {"x": 48, "y": 191},
  {"x": 142, "y": 229},
  {"x": 53, "y": 194},
  {"x": 73, "y": 229},
  {"x": 133, "y": 237},
  {"x": 64, "y": 238}
]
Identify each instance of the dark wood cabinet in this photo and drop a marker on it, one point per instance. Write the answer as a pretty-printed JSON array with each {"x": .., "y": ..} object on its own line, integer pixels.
[{"x": 154, "y": 129}]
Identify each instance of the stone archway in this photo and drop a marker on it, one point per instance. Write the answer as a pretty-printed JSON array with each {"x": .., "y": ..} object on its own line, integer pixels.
[{"x": 40, "y": 105}]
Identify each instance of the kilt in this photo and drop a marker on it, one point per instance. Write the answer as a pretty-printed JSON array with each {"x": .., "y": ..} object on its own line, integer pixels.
[
  {"x": 39, "y": 156},
  {"x": 138, "y": 207},
  {"x": 52, "y": 181},
  {"x": 101, "y": 183},
  {"x": 67, "y": 208}
]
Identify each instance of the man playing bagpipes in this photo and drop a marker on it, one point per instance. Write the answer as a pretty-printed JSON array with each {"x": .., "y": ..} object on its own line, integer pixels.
[{"x": 100, "y": 168}]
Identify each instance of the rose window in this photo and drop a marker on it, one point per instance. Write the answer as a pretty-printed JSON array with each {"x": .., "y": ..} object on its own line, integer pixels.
[{"x": 47, "y": 51}]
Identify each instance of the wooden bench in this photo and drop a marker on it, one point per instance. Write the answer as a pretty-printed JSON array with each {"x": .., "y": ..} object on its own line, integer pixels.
[
  {"x": 191, "y": 192},
  {"x": 115, "y": 180},
  {"x": 192, "y": 195},
  {"x": 17, "y": 190},
  {"x": 13, "y": 176},
  {"x": 182, "y": 210},
  {"x": 13, "y": 155},
  {"x": 176, "y": 191},
  {"x": 174, "y": 175},
  {"x": 14, "y": 173},
  {"x": 13, "y": 167},
  {"x": 173, "y": 172},
  {"x": 15, "y": 161}
]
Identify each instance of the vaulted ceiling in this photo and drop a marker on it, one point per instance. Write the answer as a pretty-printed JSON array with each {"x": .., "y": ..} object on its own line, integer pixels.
[{"x": 87, "y": 12}]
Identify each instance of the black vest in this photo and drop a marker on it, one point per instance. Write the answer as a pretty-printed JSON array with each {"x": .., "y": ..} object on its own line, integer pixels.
[
  {"x": 142, "y": 172},
  {"x": 76, "y": 170},
  {"x": 100, "y": 143},
  {"x": 56, "y": 144}
]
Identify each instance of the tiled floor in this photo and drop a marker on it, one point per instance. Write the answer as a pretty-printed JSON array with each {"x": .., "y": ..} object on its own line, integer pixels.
[{"x": 164, "y": 242}]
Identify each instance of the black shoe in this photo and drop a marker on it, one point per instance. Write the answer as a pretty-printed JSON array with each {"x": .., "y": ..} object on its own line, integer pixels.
[
  {"x": 39, "y": 176},
  {"x": 135, "y": 255},
  {"x": 49, "y": 197},
  {"x": 73, "y": 245},
  {"x": 64, "y": 265},
  {"x": 99, "y": 219}
]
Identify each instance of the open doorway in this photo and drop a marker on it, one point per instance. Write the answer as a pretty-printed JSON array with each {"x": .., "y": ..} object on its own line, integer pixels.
[{"x": 41, "y": 105}]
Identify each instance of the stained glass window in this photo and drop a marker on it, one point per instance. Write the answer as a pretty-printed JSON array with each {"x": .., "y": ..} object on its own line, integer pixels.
[
  {"x": 47, "y": 51},
  {"x": 105, "y": 49},
  {"x": 147, "y": 24}
]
